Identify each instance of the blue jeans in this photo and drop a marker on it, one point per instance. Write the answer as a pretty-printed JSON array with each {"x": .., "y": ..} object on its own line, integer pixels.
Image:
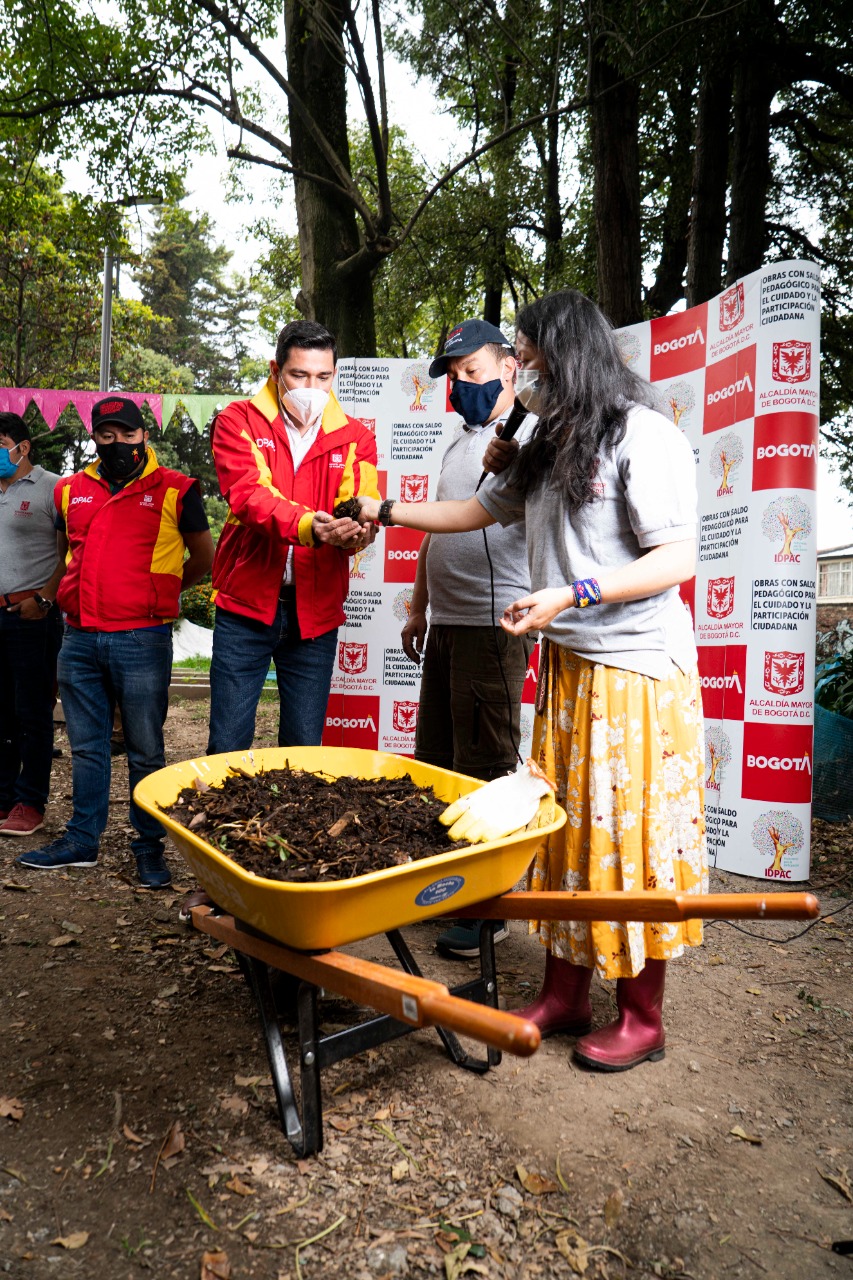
[
  {"x": 99, "y": 670},
  {"x": 28, "y": 661},
  {"x": 242, "y": 651}
]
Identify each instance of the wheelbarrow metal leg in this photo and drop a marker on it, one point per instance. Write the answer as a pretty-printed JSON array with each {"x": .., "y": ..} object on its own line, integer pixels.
[{"x": 258, "y": 977}]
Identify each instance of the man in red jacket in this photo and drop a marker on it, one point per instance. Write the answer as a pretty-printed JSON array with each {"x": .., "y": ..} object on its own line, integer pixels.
[
  {"x": 285, "y": 460},
  {"x": 127, "y": 523}
]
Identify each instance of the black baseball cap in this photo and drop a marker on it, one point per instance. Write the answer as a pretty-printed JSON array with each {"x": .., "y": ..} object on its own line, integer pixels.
[
  {"x": 466, "y": 337},
  {"x": 117, "y": 409}
]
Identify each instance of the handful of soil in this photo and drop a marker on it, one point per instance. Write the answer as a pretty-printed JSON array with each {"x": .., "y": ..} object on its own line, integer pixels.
[
  {"x": 287, "y": 824},
  {"x": 351, "y": 508}
]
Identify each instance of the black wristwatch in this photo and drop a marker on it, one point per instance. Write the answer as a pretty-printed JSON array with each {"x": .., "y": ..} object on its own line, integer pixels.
[
  {"x": 384, "y": 516},
  {"x": 44, "y": 604}
]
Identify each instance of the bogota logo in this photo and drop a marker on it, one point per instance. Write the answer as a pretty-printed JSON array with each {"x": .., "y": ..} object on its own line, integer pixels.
[
  {"x": 405, "y": 717},
  {"x": 361, "y": 560},
  {"x": 774, "y": 834},
  {"x": 718, "y": 753},
  {"x": 792, "y": 361},
  {"x": 352, "y": 657},
  {"x": 414, "y": 488},
  {"x": 368, "y": 423},
  {"x": 721, "y": 597},
  {"x": 678, "y": 400},
  {"x": 731, "y": 307},
  {"x": 784, "y": 672},
  {"x": 629, "y": 348},
  {"x": 787, "y": 518},
  {"x": 402, "y": 606},
  {"x": 417, "y": 382},
  {"x": 727, "y": 454}
]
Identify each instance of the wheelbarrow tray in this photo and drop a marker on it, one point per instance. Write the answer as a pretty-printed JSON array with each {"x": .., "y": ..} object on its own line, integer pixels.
[{"x": 317, "y": 917}]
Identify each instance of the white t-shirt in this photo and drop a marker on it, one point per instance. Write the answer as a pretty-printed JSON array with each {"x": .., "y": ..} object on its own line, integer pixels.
[{"x": 300, "y": 444}]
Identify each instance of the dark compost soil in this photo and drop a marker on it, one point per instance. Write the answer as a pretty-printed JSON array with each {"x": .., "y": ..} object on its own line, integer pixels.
[
  {"x": 351, "y": 508},
  {"x": 287, "y": 824}
]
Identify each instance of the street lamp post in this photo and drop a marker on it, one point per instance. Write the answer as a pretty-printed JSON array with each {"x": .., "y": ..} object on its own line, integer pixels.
[{"x": 111, "y": 262}]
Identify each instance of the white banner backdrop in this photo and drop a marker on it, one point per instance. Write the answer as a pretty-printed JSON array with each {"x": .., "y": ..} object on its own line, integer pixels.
[{"x": 739, "y": 375}]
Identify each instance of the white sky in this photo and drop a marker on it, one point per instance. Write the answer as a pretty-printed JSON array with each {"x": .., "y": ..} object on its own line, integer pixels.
[{"x": 434, "y": 135}]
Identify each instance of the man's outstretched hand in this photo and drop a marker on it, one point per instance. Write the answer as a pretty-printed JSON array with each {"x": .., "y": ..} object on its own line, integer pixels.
[{"x": 344, "y": 533}]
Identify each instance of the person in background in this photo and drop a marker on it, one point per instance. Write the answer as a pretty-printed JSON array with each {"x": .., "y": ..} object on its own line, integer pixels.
[
  {"x": 285, "y": 459},
  {"x": 473, "y": 671},
  {"x": 30, "y": 629},
  {"x": 126, "y": 524},
  {"x": 606, "y": 487}
]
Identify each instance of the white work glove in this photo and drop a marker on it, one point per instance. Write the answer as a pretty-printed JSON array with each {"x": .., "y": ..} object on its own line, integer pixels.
[{"x": 499, "y": 808}]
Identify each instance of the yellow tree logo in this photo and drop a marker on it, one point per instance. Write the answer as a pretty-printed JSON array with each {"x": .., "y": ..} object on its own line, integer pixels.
[
  {"x": 629, "y": 348},
  {"x": 360, "y": 561},
  {"x": 785, "y": 519},
  {"x": 728, "y": 453},
  {"x": 776, "y": 833},
  {"x": 678, "y": 400},
  {"x": 416, "y": 382},
  {"x": 718, "y": 753},
  {"x": 402, "y": 605}
]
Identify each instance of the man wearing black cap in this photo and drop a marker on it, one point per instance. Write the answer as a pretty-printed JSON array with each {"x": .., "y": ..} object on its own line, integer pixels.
[
  {"x": 125, "y": 523},
  {"x": 30, "y": 630},
  {"x": 473, "y": 671}
]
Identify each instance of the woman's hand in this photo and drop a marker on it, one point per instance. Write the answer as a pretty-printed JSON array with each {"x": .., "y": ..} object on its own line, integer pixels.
[
  {"x": 535, "y": 611},
  {"x": 499, "y": 453},
  {"x": 369, "y": 510}
]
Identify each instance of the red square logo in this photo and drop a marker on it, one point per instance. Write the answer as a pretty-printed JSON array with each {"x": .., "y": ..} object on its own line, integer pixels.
[
  {"x": 722, "y": 674},
  {"x": 405, "y": 717},
  {"x": 785, "y": 454},
  {"x": 720, "y": 601},
  {"x": 414, "y": 488},
  {"x": 784, "y": 672},
  {"x": 730, "y": 390},
  {"x": 731, "y": 307},
  {"x": 687, "y": 591},
  {"x": 528, "y": 689},
  {"x": 352, "y": 720},
  {"x": 352, "y": 658},
  {"x": 401, "y": 554},
  {"x": 792, "y": 361},
  {"x": 678, "y": 343},
  {"x": 777, "y": 762},
  {"x": 25, "y": 506}
]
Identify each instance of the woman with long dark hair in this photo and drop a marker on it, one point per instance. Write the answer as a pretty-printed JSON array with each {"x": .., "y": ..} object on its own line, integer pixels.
[{"x": 606, "y": 487}]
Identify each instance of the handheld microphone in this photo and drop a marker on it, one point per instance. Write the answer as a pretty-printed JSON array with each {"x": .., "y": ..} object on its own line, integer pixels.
[{"x": 517, "y": 415}]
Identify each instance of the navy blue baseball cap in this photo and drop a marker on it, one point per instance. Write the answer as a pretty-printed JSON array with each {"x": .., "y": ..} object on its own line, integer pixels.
[{"x": 466, "y": 337}]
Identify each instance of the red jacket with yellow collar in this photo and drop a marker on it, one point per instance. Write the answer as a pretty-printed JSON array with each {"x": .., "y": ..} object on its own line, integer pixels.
[
  {"x": 125, "y": 551},
  {"x": 271, "y": 509}
]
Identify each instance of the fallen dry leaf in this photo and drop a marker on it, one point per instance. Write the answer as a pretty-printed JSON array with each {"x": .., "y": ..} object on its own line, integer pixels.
[
  {"x": 215, "y": 1266},
  {"x": 235, "y": 1104},
  {"x": 70, "y": 927},
  {"x": 12, "y": 1108},
  {"x": 239, "y": 1188},
  {"x": 247, "y": 1082},
  {"x": 613, "y": 1207},
  {"x": 738, "y": 1132},
  {"x": 64, "y": 940},
  {"x": 75, "y": 1241},
  {"x": 5, "y": 1217},
  {"x": 574, "y": 1249},
  {"x": 536, "y": 1183},
  {"x": 342, "y": 1124},
  {"x": 841, "y": 1182},
  {"x": 174, "y": 1143},
  {"x": 753, "y": 991},
  {"x": 400, "y": 1170},
  {"x": 131, "y": 1136}
]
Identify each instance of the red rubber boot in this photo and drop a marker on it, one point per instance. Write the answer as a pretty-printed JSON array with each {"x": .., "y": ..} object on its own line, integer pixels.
[
  {"x": 637, "y": 1035},
  {"x": 563, "y": 1003}
]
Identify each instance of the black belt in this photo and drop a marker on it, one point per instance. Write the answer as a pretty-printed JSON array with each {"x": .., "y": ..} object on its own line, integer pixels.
[{"x": 287, "y": 591}]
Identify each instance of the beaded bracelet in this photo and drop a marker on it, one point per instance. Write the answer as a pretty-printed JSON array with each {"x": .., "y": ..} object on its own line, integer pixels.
[{"x": 586, "y": 591}]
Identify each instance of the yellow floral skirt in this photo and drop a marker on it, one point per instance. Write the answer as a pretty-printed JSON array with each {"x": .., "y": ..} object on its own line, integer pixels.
[{"x": 627, "y": 755}]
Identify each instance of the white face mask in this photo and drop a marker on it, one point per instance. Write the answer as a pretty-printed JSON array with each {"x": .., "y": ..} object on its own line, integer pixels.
[
  {"x": 304, "y": 404},
  {"x": 530, "y": 389}
]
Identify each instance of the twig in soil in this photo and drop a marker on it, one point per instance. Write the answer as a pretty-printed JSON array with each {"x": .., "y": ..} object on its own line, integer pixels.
[
  {"x": 381, "y": 1128},
  {"x": 313, "y": 1240},
  {"x": 201, "y": 1211}
]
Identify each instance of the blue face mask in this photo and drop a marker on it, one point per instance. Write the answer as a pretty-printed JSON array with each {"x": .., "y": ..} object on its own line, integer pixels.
[
  {"x": 474, "y": 401},
  {"x": 7, "y": 466}
]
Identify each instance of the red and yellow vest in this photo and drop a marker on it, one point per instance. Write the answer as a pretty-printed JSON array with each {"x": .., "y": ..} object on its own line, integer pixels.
[{"x": 126, "y": 553}]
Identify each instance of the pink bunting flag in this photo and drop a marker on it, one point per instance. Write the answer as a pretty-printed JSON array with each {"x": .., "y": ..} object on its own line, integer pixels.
[{"x": 50, "y": 403}]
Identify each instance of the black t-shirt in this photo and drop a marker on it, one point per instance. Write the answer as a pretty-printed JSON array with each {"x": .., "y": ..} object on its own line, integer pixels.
[{"x": 193, "y": 518}]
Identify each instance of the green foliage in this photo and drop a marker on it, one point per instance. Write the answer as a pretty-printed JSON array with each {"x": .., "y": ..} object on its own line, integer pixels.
[
  {"x": 197, "y": 606},
  {"x": 834, "y": 685}
]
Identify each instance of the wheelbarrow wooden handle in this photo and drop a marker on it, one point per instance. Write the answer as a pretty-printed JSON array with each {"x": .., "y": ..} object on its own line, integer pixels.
[
  {"x": 411, "y": 999},
  {"x": 654, "y": 906}
]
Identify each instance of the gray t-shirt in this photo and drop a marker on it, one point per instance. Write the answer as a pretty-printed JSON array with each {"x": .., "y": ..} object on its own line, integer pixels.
[
  {"x": 27, "y": 535},
  {"x": 457, "y": 568},
  {"x": 647, "y": 497}
]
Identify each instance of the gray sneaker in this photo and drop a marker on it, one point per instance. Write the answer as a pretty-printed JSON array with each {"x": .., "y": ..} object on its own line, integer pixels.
[{"x": 462, "y": 941}]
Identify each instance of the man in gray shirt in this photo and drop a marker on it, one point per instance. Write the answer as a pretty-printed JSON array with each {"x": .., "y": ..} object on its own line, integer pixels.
[
  {"x": 473, "y": 671},
  {"x": 30, "y": 630}
]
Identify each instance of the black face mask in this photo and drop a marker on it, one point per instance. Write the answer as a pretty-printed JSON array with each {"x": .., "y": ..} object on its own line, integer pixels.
[
  {"x": 474, "y": 401},
  {"x": 120, "y": 460}
]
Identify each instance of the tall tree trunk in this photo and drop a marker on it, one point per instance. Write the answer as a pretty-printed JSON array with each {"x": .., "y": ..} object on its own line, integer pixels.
[
  {"x": 668, "y": 287},
  {"x": 710, "y": 180},
  {"x": 553, "y": 211},
  {"x": 615, "y": 125},
  {"x": 328, "y": 230},
  {"x": 754, "y": 87},
  {"x": 494, "y": 267}
]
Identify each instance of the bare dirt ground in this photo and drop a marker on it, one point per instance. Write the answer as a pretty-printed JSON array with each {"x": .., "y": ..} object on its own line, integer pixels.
[{"x": 730, "y": 1157}]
